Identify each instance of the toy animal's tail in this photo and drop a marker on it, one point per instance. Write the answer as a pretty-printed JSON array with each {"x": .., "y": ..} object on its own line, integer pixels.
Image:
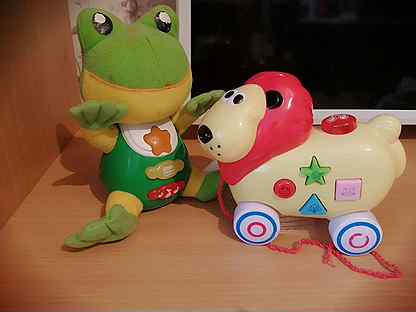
[{"x": 389, "y": 128}]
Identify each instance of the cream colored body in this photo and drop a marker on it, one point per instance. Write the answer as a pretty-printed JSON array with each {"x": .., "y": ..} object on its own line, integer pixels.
[
  {"x": 229, "y": 122},
  {"x": 372, "y": 152}
]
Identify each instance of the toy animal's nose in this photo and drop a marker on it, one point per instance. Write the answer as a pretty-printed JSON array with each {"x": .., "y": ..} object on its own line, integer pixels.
[{"x": 204, "y": 134}]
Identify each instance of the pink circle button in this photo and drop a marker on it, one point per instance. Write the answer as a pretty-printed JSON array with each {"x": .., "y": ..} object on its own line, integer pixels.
[
  {"x": 256, "y": 229},
  {"x": 363, "y": 244}
]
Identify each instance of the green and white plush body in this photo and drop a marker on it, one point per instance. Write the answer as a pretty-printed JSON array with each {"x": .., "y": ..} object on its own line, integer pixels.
[{"x": 135, "y": 81}]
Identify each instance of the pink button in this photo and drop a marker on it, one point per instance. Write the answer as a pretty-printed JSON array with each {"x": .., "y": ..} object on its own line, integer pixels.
[{"x": 348, "y": 189}]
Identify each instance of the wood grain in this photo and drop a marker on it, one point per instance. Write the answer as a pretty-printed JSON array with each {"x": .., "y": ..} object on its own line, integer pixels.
[
  {"x": 185, "y": 256},
  {"x": 38, "y": 85}
]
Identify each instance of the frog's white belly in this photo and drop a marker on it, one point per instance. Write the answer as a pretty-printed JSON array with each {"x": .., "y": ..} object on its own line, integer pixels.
[{"x": 359, "y": 156}]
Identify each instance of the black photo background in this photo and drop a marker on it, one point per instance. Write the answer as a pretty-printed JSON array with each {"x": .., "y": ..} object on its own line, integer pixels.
[{"x": 349, "y": 54}]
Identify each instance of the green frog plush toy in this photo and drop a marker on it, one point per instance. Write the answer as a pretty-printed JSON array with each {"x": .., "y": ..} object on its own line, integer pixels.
[{"x": 135, "y": 81}]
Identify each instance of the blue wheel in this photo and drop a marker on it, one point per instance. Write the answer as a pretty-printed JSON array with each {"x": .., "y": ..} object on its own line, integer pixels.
[{"x": 356, "y": 234}]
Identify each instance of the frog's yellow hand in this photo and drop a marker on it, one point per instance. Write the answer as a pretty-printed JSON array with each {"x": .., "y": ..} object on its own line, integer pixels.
[
  {"x": 96, "y": 115},
  {"x": 102, "y": 139},
  {"x": 194, "y": 108},
  {"x": 201, "y": 103}
]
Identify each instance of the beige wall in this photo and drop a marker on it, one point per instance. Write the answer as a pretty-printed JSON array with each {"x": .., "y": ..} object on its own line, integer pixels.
[{"x": 38, "y": 84}]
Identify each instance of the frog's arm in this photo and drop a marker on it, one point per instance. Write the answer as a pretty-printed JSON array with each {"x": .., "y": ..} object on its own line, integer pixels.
[
  {"x": 194, "y": 108},
  {"x": 102, "y": 139},
  {"x": 98, "y": 120}
]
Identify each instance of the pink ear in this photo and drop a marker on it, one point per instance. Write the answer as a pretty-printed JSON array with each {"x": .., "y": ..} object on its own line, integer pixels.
[{"x": 267, "y": 79}]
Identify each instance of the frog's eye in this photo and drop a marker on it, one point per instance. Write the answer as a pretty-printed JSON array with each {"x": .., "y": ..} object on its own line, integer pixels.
[
  {"x": 163, "y": 21},
  {"x": 102, "y": 23}
]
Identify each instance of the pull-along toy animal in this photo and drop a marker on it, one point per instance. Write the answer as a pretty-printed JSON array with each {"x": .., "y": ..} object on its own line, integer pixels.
[
  {"x": 135, "y": 81},
  {"x": 273, "y": 159}
]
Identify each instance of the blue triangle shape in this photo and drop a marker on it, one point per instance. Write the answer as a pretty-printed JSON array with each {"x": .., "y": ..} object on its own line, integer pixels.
[{"x": 313, "y": 207}]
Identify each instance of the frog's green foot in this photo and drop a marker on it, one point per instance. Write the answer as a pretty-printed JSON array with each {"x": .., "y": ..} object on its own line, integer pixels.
[
  {"x": 115, "y": 225},
  {"x": 209, "y": 187}
]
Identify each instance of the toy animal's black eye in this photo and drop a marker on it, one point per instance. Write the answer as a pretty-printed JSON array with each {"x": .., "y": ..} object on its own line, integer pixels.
[
  {"x": 163, "y": 21},
  {"x": 273, "y": 99},
  {"x": 238, "y": 99},
  {"x": 102, "y": 23},
  {"x": 229, "y": 94}
]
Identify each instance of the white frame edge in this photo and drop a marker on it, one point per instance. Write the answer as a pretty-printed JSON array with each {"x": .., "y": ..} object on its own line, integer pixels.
[
  {"x": 183, "y": 8},
  {"x": 407, "y": 117}
]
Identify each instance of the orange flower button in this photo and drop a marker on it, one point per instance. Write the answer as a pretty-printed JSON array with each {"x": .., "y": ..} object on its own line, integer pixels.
[{"x": 159, "y": 140}]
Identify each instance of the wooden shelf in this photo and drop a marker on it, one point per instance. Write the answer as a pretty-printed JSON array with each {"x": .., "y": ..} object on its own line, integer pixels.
[{"x": 185, "y": 257}]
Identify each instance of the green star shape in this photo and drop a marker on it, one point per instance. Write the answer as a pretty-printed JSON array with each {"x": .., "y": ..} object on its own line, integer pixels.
[{"x": 314, "y": 173}]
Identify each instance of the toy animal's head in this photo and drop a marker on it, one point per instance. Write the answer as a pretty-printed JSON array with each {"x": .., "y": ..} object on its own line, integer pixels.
[
  {"x": 267, "y": 116},
  {"x": 141, "y": 65}
]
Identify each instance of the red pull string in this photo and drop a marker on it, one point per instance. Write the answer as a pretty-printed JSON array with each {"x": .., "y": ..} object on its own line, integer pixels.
[
  {"x": 227, "y": 214},
  {"x": 393, "y": 271}
]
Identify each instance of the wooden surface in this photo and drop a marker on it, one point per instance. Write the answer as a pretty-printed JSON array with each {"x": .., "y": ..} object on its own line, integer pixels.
[
  {"x": 185, "y": 257},
  {"x": 38, "y": 85}
]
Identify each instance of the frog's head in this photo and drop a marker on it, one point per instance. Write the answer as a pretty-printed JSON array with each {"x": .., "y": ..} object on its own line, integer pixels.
[{"x": 141, "y": 65}]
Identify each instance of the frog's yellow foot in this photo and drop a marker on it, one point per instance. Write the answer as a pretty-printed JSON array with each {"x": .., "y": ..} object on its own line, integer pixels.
[
  {"x": 202, "y": 185},
  {"x": 115, "y": 225}
]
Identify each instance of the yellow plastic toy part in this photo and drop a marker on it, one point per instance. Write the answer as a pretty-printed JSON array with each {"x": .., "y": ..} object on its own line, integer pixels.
[
  {"x": 238, "y": 121},
  {"x": 365, "y": 163}
]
